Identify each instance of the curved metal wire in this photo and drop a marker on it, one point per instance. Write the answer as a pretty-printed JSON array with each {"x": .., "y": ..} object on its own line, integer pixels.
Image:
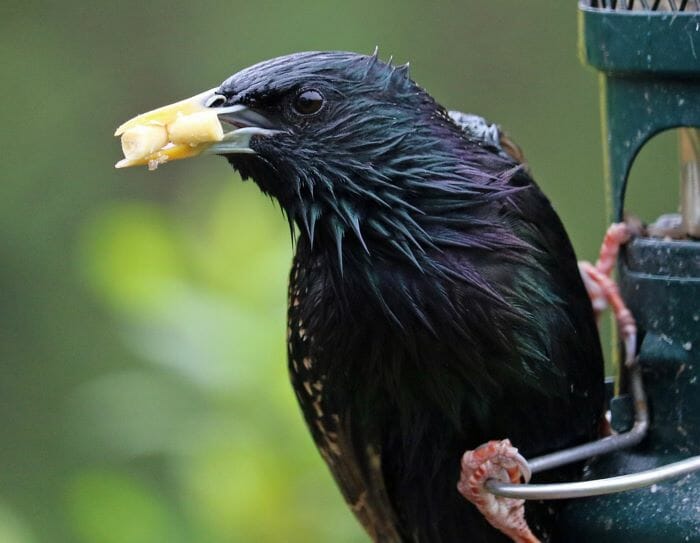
[
  {"x": 607, "y": 444},
  {"x": 597, "y": 487},
  {"x": 581, "y": 489}
]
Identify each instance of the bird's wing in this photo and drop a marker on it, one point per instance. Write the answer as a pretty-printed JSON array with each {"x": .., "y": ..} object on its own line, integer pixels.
[{"x": 478, "y": 129}]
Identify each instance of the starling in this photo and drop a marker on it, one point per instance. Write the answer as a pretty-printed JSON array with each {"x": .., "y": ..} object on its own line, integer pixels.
[{"x": 434, "y": 300}]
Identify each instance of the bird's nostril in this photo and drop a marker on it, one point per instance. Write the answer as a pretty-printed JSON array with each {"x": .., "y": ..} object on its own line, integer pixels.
[{"x": 215, "y": 100}]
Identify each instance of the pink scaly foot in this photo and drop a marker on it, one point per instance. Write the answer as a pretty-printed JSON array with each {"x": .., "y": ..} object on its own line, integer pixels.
[
  {"x": 616, "y": 236},
  {"x": 501, "y": 461},
  {"x": 603, "y": 290}
]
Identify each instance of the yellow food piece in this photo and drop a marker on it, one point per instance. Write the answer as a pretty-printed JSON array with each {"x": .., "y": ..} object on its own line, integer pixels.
[
  {"x": 180, "y": 130},
  {"x": 168, "y": 153},
  {"x": 166, "y": 114},
  {"x": 201, "y": 127},
  {"x": 140, "y": 141}
]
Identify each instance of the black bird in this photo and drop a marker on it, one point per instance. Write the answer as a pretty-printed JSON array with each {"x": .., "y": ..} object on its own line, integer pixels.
[{"x": 434, "y": 300}]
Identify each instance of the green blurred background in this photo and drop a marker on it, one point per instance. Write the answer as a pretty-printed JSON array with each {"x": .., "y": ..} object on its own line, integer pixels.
[{"x": 143, "y": 391}]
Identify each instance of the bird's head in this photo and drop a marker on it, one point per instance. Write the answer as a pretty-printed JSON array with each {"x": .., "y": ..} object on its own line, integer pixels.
[{"x": 350, "y": 146}]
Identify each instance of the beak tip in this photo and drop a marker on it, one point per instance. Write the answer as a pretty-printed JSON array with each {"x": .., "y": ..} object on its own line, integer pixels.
[{"x": 120, "y": 129}]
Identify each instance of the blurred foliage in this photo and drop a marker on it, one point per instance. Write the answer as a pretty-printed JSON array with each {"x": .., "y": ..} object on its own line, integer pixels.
[{"x": 144, "y": 395}]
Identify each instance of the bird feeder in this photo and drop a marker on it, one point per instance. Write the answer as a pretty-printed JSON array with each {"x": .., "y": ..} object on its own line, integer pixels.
[{"x": 648, "y": 56}]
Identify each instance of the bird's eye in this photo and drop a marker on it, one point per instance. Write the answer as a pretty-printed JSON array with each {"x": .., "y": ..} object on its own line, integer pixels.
[{"x": 308, "y": 102}]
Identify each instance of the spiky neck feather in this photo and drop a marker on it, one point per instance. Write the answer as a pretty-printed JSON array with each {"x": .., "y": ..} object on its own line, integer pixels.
[
  {"x": 386, "y": 177},
  {"x": 395, "y": 193}
]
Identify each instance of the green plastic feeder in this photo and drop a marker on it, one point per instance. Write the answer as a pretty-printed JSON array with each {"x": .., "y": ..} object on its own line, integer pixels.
[{"x": 648, "y": 56}]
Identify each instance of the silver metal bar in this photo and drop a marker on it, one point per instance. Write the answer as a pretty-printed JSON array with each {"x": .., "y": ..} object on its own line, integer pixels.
[
  {"x": 588, "y": 450},
  {"x": 607, "y": 444},
  {"x": 597, "y": 487}
]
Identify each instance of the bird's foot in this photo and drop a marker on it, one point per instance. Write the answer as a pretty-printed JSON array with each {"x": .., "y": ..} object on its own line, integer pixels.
[
  {"x": 617, "y": 235},
  {"x": 603, "y": 290},
  {"x": 501, "y": 461}
]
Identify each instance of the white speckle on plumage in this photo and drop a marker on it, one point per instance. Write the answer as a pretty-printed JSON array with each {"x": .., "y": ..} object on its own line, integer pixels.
[
  {"x": 317, "y": 406},
  {"x": 360, "y": 503}
]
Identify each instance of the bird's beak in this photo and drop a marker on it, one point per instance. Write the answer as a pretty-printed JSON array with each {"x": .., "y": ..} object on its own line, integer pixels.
[{"x": 189, "y": 128}]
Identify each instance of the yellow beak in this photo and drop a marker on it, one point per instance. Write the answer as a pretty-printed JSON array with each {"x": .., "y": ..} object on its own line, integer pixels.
[
  {"x": 180, "y": 130},
  {"x": 189, "y": 128}
]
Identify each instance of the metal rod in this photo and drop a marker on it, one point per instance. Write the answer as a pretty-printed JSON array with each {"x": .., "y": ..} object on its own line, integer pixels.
[
  {"x": 597, "y": 487},
  {"x": 610, "y": 443},
  {"x": 588, "y": 450}
]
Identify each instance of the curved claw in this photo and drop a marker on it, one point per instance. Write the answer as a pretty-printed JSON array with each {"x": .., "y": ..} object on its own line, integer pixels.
[
  {"x": 523, "y": 467},
  {"x": 497, "y": 460}
]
